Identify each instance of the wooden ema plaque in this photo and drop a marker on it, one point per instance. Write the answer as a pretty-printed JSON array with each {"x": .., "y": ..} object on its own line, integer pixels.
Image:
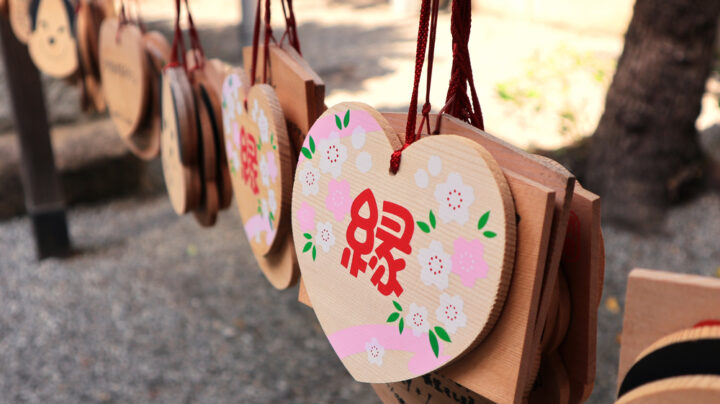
[
  {"x": 664, "y": 308},
  {"x": 51, "y": 42},
  {"x": 299, "y": 89},
  {"x": 418, "y": 251},
  {"x": 260, "y": 159},
  {"x": 124, "y": 71},
  {"x": 145, "y": 140},
  {"x": 432, "y": 388},
  {"x": 503, "y": 366},
  {"x": 206, "y": 81},
  {"x": 19, "y": 14},
  {"x": 179, "y": 141}
]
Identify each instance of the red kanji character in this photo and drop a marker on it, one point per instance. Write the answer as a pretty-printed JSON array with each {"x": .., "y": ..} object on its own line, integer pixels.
[
  {"x": 365, "y": 224},
  {"x": 248, "y": 160},
  {"x": 399, "y": 222}
]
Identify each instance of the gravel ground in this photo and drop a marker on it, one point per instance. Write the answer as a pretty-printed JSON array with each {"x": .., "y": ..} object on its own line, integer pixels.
[{"x": 154, "y": 308}]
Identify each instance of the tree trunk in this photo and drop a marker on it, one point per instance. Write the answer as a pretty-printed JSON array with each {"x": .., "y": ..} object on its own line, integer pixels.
[{"x": 646, "y": 144}]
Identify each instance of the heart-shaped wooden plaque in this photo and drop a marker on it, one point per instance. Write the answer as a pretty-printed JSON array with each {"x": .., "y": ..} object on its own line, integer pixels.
[
  {"x": 125, "y": 74},
  {"x": 406, "y": 272},
  {"x": 258, "y": 153}
]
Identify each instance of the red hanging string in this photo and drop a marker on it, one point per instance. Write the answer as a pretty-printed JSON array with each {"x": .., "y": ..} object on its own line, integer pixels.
[
  {"x": 268, "y": 35},
  {"x": 122, "y": 20},
  {"x": 177, "y": 58},
  {"x": 256, "y": 38},
  {"x": 426, "y": 9},
  {"x": 457, "y": 102},
  {"x": 707, "y": 323},
  {"x": 290, "y": 26},
  {"x": 195, "y": 45}
]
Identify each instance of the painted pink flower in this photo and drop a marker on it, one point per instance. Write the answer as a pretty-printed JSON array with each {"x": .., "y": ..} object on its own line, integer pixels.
[
  {"x": 236, "y": 135},
  {"x": 468, "y": 262},
  {"x": 272, "y": 166},
  {"x": 338, "y": 198},
  {"x": 306, "y": 217}
]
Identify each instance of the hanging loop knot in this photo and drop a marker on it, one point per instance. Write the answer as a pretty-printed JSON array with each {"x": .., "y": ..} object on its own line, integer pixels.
[{"x": 395, "y": 159}]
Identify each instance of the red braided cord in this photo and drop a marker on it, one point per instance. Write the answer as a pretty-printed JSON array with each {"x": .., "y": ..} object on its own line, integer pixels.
[
  {"x": 178, "y": 41},
  {"x": 195, "y": 45},
  {"x": 426, "y": 10},
  {"x": 457, "y": 102},
  {"x": 290, "y": 26},
  {"x": 256, "y": 38},
  {"x": 266, "y": 44}
]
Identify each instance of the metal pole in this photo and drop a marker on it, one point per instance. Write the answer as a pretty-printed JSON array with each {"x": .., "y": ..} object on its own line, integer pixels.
[{"x": 43, "y": 194}]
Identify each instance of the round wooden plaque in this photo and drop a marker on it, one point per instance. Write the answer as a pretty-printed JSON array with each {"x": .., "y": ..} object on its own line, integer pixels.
[
  {"x": 51, "y": 43},
  {"x": 407, "y": 271},
  {"x": 178, "y": 124}
]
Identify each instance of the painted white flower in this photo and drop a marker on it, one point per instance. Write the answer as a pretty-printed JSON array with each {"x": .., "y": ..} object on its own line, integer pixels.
[
  {"x": 310, "y": 178},
  {"x": 358, "y": 137},
  {"x": 417, "y": 319},
  {"x": 421, "y": 178},
  {"x": 324, "y": 236},
  {"x": 434, "y": 165},
  {"x": 272, "y": 202},
  {"x": 332, "y": 155},
  {"x": 436, "y": 265},
  {"x": 255, "y": 110},
  {"x": 375, "y": 352},
  {"x": 264, "y": 211},
  {"x": 264, "y": 127},
  {"x": 363, "y": 162},
  {"x": 264, "y": 171},
  {"x": 450, "y": 313},
  {"x": 454, "y": 198}
]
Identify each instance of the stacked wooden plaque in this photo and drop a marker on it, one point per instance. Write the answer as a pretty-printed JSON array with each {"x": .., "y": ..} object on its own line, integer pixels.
[
  {"x": 542, "y": 345},
  {"x": 670, "y": 351},
  {"x": 265, "y": 124}
]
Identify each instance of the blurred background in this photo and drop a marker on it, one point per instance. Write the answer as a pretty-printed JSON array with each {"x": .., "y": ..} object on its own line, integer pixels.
[{"x": 152, "y": 308}]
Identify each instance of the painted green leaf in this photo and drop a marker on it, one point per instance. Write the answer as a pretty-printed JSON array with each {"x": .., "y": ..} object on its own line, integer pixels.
[
  {"x": 271, "y": 216},
  {"x": 307, "y": 236},
  {"x": 346, "y": 120},
  {"x": 337, "y": 122},
  {"x": 397, "y": 305},
  {"x": 272, "y": 137},
  {"x": 306, "y": 153},
  {"x": 401, "y": 325},
  {"x": 489, "y": 234},
  {"x": 314, "y": 253},
  {"x": 442, "y": 334},
  {"x": 259, "y": 146},
  {"x": 432, "y": 219},
  {"x": 312, "y": 144},
  {"x": 423, "y": 226},
  {"x": 483, "y": 220},
  {"x": 393, "y": 317},
  {"x": 308, "y": 246},
  {"x": 434, "y": 343},
  {"x": 274, "y": 147}
]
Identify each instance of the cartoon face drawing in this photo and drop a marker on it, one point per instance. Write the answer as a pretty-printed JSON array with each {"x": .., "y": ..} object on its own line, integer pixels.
[{"x": 52, "y": 43}]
